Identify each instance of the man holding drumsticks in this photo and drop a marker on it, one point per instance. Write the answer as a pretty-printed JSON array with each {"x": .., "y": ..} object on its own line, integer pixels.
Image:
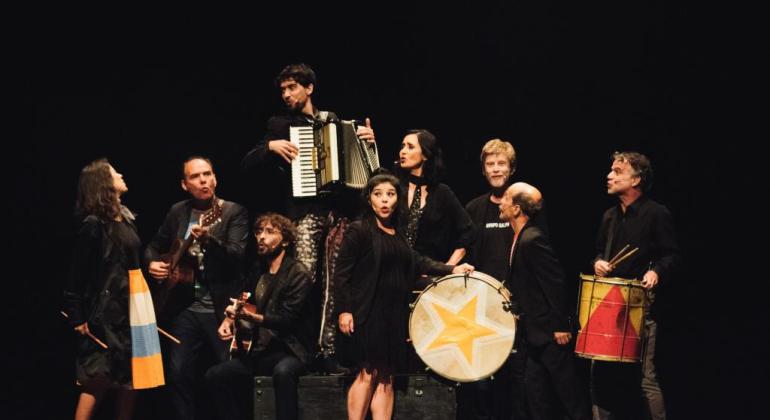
[{"x": 636, "y": 240}]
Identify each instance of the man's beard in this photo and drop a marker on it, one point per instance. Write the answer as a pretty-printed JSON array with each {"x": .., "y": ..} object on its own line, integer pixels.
[{"x": 269, "y": 253}]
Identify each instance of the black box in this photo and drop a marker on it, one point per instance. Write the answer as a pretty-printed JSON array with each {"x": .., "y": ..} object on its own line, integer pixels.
[{"x": 418, "y": 397}]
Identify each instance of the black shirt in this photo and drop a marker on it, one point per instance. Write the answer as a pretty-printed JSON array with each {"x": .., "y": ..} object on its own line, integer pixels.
[
  {"x": 493, "y": 238},
  {"x": 646, "y": 225},
  {"x": 444, "y": 225}
]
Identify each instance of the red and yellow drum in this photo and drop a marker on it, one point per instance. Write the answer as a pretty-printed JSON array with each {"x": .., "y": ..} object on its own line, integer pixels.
[
  {"x": 461, "y": 326},
  {"x": 611, "y": 312}
]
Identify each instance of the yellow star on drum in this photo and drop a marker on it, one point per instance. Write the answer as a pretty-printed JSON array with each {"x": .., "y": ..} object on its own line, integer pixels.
[{"x": 460, "y": 328}]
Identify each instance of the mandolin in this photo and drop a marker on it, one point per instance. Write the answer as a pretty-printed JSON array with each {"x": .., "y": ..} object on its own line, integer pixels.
[{"x": 243, "y": 329}]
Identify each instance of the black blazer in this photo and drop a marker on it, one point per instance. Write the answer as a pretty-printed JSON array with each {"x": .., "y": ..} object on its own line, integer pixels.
[
  {"x": 538, "y": 286},
  {"x": 223, "y": 260},
  {"x": 358, "y": 267},
  {"x": 287, "y": 314}
]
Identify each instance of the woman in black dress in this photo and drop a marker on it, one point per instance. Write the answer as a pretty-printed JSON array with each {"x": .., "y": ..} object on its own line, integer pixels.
[
  {"x": 96, "y": 297},
  {"x": 375, "y": 271},
  {"x": 437, "y": 224}
]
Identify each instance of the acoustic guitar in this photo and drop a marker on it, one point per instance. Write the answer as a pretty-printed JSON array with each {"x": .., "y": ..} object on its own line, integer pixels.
[{"x": 181, "y": 264}]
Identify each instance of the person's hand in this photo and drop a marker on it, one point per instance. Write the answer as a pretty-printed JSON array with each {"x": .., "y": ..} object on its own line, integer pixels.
[
  {"x": 200, "y": 233},
  {"x": 463, "y": 268},
  {"x": 283, "y": 148},
  {"x": 650, "y": 279},
  {"x": 603, "y": 268},
  {"x": 365, "y": 132},
  {"x": 82, "y": 329},
  {"x": 158, "y": 270},
  {"x": 346, "y": 323},
  {"x": 562, "y": 338},
  {"x": 225, "y": 330}
]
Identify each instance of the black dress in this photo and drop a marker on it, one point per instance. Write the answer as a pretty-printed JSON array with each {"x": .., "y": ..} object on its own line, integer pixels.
[{"x": 381, "y": 340}]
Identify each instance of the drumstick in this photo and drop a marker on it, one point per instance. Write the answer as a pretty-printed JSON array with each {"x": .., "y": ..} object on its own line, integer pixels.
[
  {"x": 612, "y": 261},
  {"x": 88, "y": 333},
  {"x": 169, "y": 336},
  {"x": 630, "y": 253}
]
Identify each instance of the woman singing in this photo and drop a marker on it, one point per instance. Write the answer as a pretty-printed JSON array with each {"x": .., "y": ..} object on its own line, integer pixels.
[
  {"x": 437, "y": 224},
  {"x": 117, "y": 348},
  {"x": 375, "y": 271}
]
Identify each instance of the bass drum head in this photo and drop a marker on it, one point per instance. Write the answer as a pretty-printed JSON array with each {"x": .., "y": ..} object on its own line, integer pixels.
[{"x": 461, "y": 326}]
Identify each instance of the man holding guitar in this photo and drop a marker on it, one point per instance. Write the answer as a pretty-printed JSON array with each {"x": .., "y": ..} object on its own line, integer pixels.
[
  {"x": 204, "y": 239},
  {"x": 273, "y": 304}
]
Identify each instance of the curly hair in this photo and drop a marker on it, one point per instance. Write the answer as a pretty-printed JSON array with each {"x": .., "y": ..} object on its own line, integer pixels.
[
  {"x": 96, "y": 193},
  {"x": 280, "y": 222}
]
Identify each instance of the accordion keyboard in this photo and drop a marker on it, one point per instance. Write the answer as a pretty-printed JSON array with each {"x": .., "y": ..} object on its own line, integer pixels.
[{"x": 303, "y": 169}]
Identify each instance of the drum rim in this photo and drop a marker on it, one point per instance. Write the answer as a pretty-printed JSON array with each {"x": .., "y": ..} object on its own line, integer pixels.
[
  {"x": 484, "y": 278},
  {"x": 608, "y": 358},
  {"x": 618, "y": 281}
]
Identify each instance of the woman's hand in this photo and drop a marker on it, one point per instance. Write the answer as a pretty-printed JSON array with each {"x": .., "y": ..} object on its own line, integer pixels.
[
  {"x": 463, "y": 268},
  {"x": 346, "y": 323}
]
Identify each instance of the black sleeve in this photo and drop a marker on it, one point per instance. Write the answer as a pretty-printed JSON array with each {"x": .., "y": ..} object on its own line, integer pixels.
[
  {"x": 471, "y": 255},
  {"x": 232, "y": 247},
  {"x": 277, "y": 129},
  {"x": 425, "y": 265},
  {"x": 291, "y": 302},
  {"x": 161, "y": 242},
  {"x": 350, "y": 253},
  {"x": 545, "y": 267},
  {"x": 83, "y": 272},
  {"x": 461, "y": 221}
]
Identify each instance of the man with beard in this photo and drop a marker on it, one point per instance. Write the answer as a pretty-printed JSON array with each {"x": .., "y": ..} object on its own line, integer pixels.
[
  {"x": 490, "y": 253},
  {"x": 191, "y": 309},
  {"x": 321, "y": 219},
  {"x": 278, "y": 288}
]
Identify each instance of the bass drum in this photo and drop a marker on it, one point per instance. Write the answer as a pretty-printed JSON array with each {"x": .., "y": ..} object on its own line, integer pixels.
[{"x": 462, "y": 327}]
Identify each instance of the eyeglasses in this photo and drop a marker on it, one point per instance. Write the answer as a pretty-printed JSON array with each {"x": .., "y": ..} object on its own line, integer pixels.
[{"x": 267, "y": 230}]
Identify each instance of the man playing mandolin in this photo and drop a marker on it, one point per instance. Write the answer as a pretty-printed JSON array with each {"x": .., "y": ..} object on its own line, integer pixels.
[
  {"x": 277, "y": 335},
  {"x": 204, "y": 239}
]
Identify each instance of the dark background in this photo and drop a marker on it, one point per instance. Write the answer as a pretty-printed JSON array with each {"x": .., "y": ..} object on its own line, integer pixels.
[{"x": 567, "y": 84}]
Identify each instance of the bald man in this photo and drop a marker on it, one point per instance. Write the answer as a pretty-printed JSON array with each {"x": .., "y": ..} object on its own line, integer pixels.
[{"x": 537, "y": 284}]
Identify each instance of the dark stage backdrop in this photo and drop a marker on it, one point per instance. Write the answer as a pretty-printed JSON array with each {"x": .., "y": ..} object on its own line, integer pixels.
[{"x": 566, "y": 84}]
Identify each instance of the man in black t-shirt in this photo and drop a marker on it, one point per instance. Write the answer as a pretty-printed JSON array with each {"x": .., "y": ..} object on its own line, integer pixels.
[{"x": 490, "y": 254}]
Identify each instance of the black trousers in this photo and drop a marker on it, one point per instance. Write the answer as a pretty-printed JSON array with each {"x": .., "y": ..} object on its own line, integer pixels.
[
  {"x": 232, "y": 383},
  {"x": 553, "y": 388},
  {"x": 198, "y": 334}
]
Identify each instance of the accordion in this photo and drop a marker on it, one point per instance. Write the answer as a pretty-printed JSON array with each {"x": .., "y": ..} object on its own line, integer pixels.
[{"x": 330, "y": 154}]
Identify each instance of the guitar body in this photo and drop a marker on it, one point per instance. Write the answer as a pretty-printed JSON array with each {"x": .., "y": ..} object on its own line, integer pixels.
[
  {"x": 243, "y": 334},
  {"x": 182, "y": 266}
]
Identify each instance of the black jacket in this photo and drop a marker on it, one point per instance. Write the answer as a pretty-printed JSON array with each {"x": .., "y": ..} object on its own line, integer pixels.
[
  {"x": 262, "y": 164},
  {"x": 538, "y": 286},
  {"x": 223, "y": 260},
  {"x": 287, "y": 314},
  {"x": 358, "y": 267}
]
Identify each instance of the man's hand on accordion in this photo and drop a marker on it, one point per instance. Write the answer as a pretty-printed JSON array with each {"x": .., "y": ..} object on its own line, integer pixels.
[
  {"x": 366, "y": 133},
  {"x": 286, "y": 149}
]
